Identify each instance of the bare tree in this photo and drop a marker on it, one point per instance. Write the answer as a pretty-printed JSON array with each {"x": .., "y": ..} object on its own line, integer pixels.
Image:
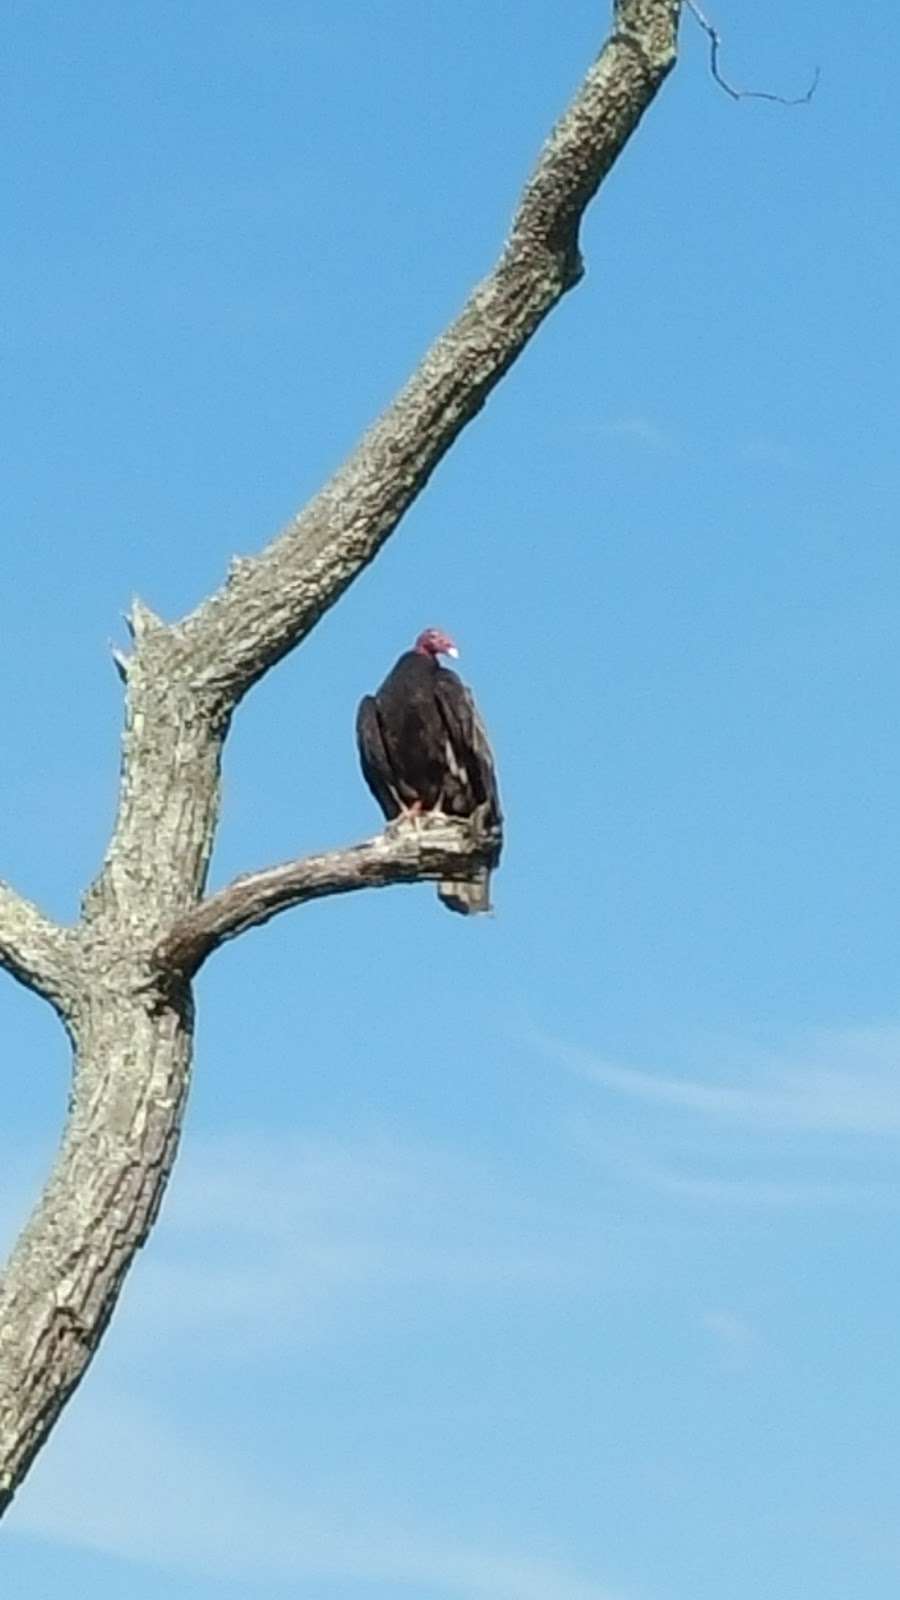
[{"x": 121, "y": 979}]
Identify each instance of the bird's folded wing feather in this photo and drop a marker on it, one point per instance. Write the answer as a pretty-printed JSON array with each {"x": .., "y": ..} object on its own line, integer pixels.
[
  {"x": 374, "y": 758},
  {"x": 468, "y": 734}
]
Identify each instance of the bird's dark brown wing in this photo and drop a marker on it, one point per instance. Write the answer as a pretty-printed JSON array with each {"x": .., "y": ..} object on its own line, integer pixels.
[
  {"x": 374, "y": 758},
  {"x": 470, "y": 779}
]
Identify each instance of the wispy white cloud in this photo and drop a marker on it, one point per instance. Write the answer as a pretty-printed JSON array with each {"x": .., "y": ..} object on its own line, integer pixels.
[
  {"x": 640, "y": 431},
  {"x": 811, "y": 1125},
  {"x": 268, "y": 1237},
  {"x": 736, "y": 1341},
  {"x": 766, "y": 451},
  {"x": 181, "y": 1504},
  {"x": 743, "y": 1191},
  {"x": 265, "y": 1239},
  {"x": 841, "y": 1081},
  {"x": 731, "y": 1174}
]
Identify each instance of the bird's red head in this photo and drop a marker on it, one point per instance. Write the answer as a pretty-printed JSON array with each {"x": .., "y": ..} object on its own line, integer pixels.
[{"x": 434, "y": 643}]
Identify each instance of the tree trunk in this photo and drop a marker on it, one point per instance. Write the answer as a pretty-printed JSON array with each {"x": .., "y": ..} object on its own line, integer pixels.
[{"x": 120, "y": 980}]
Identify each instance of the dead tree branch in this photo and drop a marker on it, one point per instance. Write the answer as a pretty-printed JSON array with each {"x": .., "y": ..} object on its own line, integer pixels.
[
  {"x": 437, "y": 847},
  {"x": 271, "y": 601},
  {"x": 36, "y": 951},
  {"x": 126, "y": 994}
]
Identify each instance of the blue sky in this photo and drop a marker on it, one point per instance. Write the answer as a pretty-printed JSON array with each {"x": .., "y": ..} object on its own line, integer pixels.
[{"x": 551, "y": 1257}]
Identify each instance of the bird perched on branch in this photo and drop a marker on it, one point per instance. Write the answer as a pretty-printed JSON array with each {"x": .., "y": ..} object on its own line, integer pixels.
[{"x": 423, "y": 748}]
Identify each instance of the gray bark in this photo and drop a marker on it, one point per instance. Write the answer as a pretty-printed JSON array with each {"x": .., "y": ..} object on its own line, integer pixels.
[
  {"x": 120, "y": 979},
  {"x": 409, "y": 852}
]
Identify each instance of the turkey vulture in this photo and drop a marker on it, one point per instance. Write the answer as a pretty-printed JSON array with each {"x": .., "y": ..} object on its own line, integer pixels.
[{"x": 423, "y": 747}]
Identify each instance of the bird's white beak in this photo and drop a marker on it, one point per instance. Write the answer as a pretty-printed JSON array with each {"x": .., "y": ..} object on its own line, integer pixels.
[{"x": 451, "y": 650}]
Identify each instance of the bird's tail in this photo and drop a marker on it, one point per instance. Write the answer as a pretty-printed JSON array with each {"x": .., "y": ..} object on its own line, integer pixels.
[{"x": 469, "y": 897}]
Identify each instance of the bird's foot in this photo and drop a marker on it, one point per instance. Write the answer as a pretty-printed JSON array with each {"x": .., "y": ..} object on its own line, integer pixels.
[{"x": 409, "y": 817}]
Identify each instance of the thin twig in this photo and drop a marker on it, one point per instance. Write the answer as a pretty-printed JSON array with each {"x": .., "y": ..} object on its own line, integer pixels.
[{"x": 715, "y": 45}]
